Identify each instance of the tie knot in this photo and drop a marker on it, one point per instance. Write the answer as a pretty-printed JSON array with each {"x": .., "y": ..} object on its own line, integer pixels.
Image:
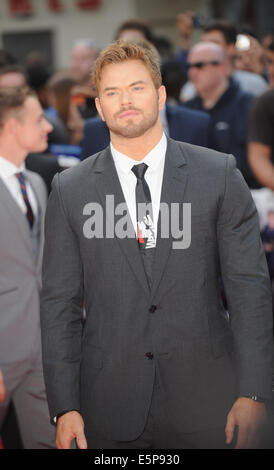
[
  {"x": 20, "y": 177},
  {"x": 139, "y": 170}
]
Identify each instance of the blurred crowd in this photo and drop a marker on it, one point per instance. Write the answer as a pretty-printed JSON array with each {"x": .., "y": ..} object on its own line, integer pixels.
[
  {"x": 226, "y": 79},
  {"x": 220, "y": 94}
]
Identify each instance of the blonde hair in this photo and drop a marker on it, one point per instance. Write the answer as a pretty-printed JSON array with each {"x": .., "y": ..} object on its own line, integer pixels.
[{"x": 121, "y": 51}]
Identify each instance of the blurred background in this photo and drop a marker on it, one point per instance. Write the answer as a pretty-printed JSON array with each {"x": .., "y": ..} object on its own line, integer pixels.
[
  {"x": 220, "y": 97},
  {"x": 52, "y": 26}
]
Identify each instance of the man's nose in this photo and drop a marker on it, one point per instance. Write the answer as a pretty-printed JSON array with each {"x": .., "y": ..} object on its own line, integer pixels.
[
  {"x": 126, "y": 98},
  {"x": 48, "y": 126}
]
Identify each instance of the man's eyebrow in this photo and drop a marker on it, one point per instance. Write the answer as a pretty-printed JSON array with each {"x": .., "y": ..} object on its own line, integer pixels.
[
  {"x": 138, "y": 82},
  {"x": 109, "y": 88}
]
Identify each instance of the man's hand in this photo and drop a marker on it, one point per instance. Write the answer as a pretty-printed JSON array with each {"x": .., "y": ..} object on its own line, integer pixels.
[
  {"x": 70, "y": 426},
  {"x": 249, "y": 416},
  {"x": 2, "y": 387}
]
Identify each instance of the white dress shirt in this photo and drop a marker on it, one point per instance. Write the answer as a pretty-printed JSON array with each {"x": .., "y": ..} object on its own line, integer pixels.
[
  {"x": 155, "y": 160},
  {"x": 7, "y": 174}
]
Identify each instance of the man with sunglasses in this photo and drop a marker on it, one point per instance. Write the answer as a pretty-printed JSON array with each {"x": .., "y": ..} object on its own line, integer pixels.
[{"x": 221, "y": 97}]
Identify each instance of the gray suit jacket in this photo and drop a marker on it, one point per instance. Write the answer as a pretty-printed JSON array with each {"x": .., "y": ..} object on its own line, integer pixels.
[
  {"x": 204, "y": 360},
  {"x": 20, "y": 277}
]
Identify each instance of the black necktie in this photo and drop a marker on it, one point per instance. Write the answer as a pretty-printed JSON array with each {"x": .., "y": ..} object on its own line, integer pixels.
[
  {"x": 145, "y": 229},
  {"x": 29, "y": 213}
]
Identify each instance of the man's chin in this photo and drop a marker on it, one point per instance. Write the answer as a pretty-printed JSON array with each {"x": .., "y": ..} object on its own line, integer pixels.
[
  {"x": 131, "y": 131},
  {"x": 39, "y": 148}
]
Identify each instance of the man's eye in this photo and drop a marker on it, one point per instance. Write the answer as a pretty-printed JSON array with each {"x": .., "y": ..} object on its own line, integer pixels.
[
  {"x": 138, "y": 88},
  {"x": 111, "y": 93}
]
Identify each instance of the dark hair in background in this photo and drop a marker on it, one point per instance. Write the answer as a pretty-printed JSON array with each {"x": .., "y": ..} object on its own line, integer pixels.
[
  {"x": 6, "y": 58},
  {"x": 60, "y": 85},
  {"x": 227, "y": 29},
  {"x": 173, "y": 78},
  {"x": 138, "y": 25},
  {"x": 247, "y": 29},
  {"x": 38, "y": 76},
  {"x": 271, "y": 46}
]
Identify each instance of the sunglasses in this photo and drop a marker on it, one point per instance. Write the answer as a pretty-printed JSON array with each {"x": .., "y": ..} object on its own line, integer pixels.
[{"x": 201, "y": 65}]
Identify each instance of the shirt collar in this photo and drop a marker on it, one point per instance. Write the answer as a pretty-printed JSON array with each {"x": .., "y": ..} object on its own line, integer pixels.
[
  {"x": 8, "y": 169},
  {"x": 124, "y": 163}
]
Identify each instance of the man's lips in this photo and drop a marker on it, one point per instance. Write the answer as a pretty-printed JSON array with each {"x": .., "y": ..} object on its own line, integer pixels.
[{"x": 129, "y": 113}]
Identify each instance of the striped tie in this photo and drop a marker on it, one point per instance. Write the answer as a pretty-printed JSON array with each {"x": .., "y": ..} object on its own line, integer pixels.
[{"x": 22, "y": 183}]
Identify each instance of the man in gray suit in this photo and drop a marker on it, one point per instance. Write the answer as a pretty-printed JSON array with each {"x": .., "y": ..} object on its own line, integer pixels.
[
  {"x": 23, "y": 129},
  {"x": 158, "y": 362}
]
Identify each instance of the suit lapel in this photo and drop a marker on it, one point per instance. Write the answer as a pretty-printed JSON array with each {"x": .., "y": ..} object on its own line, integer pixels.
[
  {"x": 173, "y": 188},
  {"x": 107, "y": 183},
  {"x": 41, "y": 202},
  {"x": 15, "y": 214}
]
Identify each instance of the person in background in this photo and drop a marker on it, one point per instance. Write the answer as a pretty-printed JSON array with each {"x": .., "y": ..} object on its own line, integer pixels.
[
  {"x": 135, "y": 29},
  {"x": 82, "y": 58},
  {"x": 261, "y": 139},
  {"x": 250, "y": 57},
  {"x": 38, "y": 78},
  {"x": 225, "y": 35},
  {"x": 61, "y": 87},
  {"x": 23, "y": 129},
  {"x": 223, "y": 99},
  {"x": 269, "y": 62},
  {"x": 43, "y": 163}
]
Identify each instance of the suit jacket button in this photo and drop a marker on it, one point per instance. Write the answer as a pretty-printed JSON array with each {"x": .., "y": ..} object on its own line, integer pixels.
[
  {"x": 152, "y": 308},
  {"x": 149, "y": 355}
]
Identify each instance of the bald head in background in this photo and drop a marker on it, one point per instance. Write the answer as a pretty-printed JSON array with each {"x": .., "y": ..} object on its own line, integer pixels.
[
  {"x": 208, "y": 71},
  {"x": 83, "y": 56}
]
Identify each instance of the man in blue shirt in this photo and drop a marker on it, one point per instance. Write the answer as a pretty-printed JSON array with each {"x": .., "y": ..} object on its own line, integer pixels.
[{"x": 222, "y": 98}]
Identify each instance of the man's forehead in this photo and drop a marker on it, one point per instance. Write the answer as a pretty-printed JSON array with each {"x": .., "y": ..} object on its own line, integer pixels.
[
  {"x": 32, "y": 104},
  {"x": 12, "y": 79},
  {"x": 214, "y": 36},
  {"x": 203, "y": 55},
  {"x": 82, "y": 50},
  {"x": 127, "y": 68}
]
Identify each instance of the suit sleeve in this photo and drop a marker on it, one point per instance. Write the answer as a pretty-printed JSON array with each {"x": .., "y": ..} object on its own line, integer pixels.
[
  {"x": 247, "y": 285},
  {"x": 61, "y": 308}
]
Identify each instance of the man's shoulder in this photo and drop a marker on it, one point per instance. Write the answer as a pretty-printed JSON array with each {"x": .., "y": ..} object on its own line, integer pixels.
[
  {"x": 35, "y": 178},
  {"x": 76, "y": 174},
  {"x": 185, "y": 113},
  {"x": 95, "y": 123},
  {"x": 265, "y": 100},
  {"x": 239, "y": 95},
  {"x": 200, "y": 158},
  {"x": 194, "y": 103}
]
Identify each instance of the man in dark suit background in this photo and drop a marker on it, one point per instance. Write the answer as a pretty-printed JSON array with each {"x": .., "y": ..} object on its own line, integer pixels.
[
  {"x": 159, "y": 363},
  {"x": 185, "y": 125}
]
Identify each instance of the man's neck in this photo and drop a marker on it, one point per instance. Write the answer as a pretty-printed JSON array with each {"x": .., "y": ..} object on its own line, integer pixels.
[
  {"x": 137, "y": 148},
  {"x": 210, "y": 99},
  {"x": 13, "y": 155}
]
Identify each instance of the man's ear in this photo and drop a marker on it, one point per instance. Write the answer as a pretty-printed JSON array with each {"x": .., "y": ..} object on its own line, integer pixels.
[
  {"x": 11, "y": 125},
  {"x": 161, "y": 96},
  {"x": 99, "y": 108}
]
